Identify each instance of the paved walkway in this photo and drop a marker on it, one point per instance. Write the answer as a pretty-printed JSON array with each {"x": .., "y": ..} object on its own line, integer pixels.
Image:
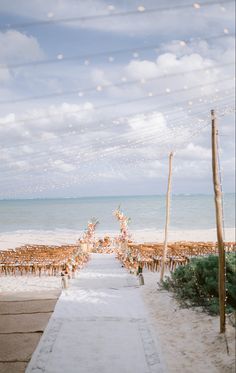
[{"x": 99, "y": 326}]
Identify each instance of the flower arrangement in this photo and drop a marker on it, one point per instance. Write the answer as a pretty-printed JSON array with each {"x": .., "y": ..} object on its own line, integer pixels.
[
  {"x": 124, "y": 222},
  {"x": 88, "y": 236}
]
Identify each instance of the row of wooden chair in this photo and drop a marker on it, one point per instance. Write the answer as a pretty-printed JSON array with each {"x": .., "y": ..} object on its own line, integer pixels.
[
  {"x": 41, "y": 260},
  {"x": 149, "y": 255}
]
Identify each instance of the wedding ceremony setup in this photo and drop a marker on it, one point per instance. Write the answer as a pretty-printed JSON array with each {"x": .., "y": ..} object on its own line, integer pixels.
[{"x": 117, "y": 188}]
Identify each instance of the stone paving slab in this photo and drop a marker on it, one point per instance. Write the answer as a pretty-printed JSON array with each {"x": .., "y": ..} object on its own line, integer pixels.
[
  {"x": 24, "y": 323},
  {"x": 12, "y": 367},
  {"x": 18, "y": 347},
  {"x": 23, "y": 317},
  {"x": 26, "y": 307}
]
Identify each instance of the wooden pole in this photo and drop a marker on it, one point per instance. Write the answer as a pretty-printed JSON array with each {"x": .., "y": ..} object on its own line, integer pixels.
[
  {"x": 167, "y": 218},
  {"x": 219, "y": 221}
]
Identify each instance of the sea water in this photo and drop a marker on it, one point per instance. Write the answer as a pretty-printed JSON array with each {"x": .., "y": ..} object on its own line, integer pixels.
[{"x": 188, "y": 212}]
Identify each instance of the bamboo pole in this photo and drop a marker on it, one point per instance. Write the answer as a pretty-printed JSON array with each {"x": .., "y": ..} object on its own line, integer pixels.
[
  {"x": 167, "y": 217},
  {"x": 219, "y": 221}
]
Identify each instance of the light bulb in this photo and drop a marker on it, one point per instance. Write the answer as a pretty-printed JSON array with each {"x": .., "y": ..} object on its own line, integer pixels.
[
  {"x": 141, "y": 8},
  {"x": 111, "y": 7}
]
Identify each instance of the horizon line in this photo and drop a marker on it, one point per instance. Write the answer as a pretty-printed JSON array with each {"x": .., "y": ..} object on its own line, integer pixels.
[{"x": 109, "y": 196}]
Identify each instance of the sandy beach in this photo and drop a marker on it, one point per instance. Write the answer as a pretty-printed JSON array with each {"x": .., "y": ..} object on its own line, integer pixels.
[
  {"x": 10, "y": 240},
  {"x": 190, "y": 339}
]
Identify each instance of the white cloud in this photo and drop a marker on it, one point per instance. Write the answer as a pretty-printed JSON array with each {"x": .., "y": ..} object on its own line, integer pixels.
[
  {"x": 16, "y": 46},
  {"x": 192, "y": 151},
  {"x": 192, "y": 170},
  {"x": 99, "y": 77},
  {"x": 5, "y": 75},
  {"x": 228, "y": 167},
  {"x": 63, "y": 166},
  {"x": 27, "y": 149},
  {"x": 21, "y": 165},
  {"x": 167, "y": 63},
  {"x": 142, "y": 69}
]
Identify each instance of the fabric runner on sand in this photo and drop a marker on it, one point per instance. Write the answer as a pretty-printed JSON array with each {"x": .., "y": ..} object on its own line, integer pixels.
[{"x": 100, "y": 324}]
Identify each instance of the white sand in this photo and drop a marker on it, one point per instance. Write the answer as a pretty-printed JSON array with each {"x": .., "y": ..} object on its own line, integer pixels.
[
  {"x": 182, "y": 235},
  {"x": 189, "y": 338},
  {"x": 59, "y": 237},
  {"x": 21, "y": 284}
]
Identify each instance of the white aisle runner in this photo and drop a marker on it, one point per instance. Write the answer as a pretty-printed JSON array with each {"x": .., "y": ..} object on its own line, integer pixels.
[{"x": 99, "y": 326}]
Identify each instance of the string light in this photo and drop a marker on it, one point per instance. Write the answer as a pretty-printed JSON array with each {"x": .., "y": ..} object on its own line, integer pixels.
[
  {"x": 181, "y": 135},
  {"x": 124, "y": 81},
  {"x": 95, "y": 175},
  {"x": 88, "y": 107},
  {"x": 87, "y": 57},
  {"x": 117, "y": 121},
  {"x": 140, "y": 12},
  {"x": 111, "y": 7},
  {"x": 141, "y": 8}
]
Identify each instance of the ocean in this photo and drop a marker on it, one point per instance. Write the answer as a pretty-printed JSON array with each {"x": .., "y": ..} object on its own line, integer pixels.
[{"x": 188, "y": 212}]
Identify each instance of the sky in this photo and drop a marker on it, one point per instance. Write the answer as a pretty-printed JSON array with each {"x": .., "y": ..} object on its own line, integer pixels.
[{"x": 95, "y": 94}]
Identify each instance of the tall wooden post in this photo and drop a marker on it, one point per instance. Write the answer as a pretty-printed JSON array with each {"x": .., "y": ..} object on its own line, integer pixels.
[
  {"x": 219, "y": 221},
  {"x": 167, "y": 217}
]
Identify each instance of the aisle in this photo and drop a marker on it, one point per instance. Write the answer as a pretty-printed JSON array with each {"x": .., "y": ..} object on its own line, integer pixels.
[{"x": 99, "y": 326}]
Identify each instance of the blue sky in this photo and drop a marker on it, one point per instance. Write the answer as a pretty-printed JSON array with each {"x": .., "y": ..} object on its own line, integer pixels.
[{"x": 104, "y": 125}]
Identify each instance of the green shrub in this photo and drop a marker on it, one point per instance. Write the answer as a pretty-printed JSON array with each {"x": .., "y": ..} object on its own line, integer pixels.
[{"x": 196, "y": 284}]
